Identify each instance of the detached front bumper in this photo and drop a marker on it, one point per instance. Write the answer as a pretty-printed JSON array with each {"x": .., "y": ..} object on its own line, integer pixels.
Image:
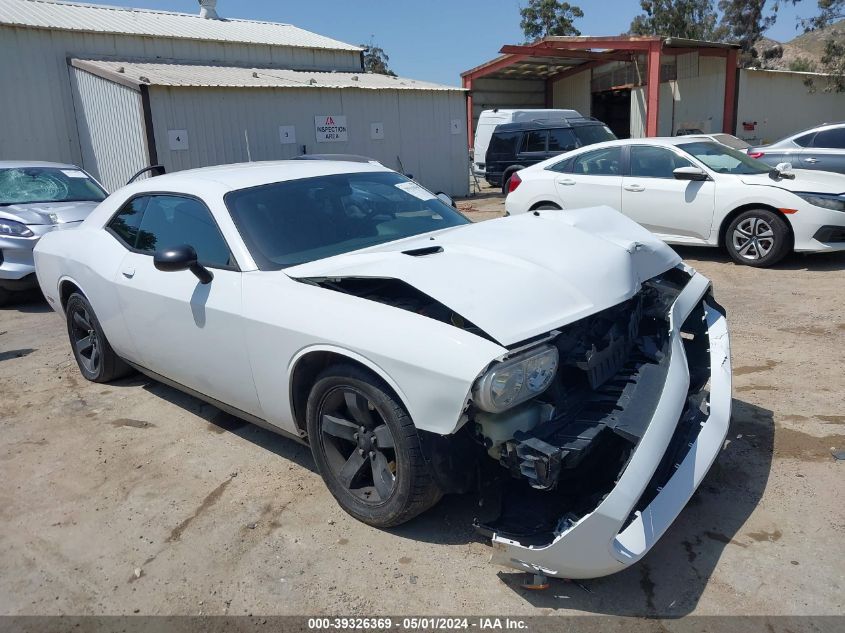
[{"x": 608, "y": 539}]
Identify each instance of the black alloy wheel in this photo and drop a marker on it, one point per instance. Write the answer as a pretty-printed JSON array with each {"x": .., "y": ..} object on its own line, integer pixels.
[
  {"x": 95, "y": 357},
  {"x": 358, "y": 445},
  {"x": 367, "y": 448}
]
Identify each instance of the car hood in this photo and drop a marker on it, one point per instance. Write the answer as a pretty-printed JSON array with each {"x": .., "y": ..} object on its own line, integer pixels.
[
  {"x": 40, "y": 212},
  {"x": 805, "y": 180},
  {"x": 516, "y": 277}
]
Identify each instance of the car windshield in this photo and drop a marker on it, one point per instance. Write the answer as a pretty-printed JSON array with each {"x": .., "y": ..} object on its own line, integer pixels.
[
  {"x": 590, "y": 134},
  {"x": 28, "y": 185},
  {"x": 724, "y": 160},
  {"x": 288, "y": 223}
]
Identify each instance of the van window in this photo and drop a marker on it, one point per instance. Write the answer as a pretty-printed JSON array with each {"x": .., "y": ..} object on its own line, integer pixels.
[
  {"x": 589, "y": 134},
  {"x": 503, "y": 145},
  {"x": 562, "y": 140},
  {"x": 536, "y": 141}
]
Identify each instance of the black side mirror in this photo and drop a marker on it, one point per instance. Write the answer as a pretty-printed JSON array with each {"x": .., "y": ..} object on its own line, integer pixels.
[
  {"x": 182, "y": 257},
  {"x": 690, "y": 173}
]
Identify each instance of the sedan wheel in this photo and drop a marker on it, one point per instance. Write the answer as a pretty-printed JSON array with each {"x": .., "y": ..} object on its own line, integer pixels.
[
  {"x": 753, "y": 238},
  {"x": 367, "y": 448},
  {"x": 758, "y": 237}
]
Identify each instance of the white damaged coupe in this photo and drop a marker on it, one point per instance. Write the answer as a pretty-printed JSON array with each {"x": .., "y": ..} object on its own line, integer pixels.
[{"x": 565, "y": 360}]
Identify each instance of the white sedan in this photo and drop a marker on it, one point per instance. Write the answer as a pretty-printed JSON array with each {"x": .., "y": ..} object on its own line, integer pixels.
[
  {"x": 695, "y": 192},
  {"x": 569, "y": 360}
]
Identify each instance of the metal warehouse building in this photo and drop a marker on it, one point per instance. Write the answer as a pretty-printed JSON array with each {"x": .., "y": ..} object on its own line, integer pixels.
[{"x": 116, "y": 90}]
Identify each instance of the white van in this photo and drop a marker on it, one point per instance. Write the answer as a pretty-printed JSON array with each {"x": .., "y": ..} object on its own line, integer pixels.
[{"x": 489, "y": 119}]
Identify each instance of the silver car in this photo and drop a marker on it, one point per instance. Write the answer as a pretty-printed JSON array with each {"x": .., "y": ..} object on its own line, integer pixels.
[
  {"x": 822, "y": 148},
  {"x": 35, "y": 198}
]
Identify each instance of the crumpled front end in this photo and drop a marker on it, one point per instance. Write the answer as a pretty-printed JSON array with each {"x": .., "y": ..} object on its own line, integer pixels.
[{"x": 608, "y": 456}]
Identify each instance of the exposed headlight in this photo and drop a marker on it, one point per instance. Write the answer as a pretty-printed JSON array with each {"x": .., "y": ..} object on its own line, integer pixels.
[
  {"x": 516, "y": 380},
  {"x": 14, "y": 229},
  {"x": 824, "y": 200}
]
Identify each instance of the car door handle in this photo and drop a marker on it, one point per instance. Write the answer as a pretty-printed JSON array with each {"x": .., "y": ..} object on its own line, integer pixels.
[
  {"x": 635, "y": 188},
  {"x": 129, "y": 272},
  {"x": 811, "y": 160},
  {"x": 566, "y": 181}
]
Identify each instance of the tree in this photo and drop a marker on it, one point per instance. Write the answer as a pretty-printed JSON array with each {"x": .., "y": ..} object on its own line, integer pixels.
[
  {"x": 690, "y": 19},
  {"x": 375, "y": 60},
  {"x": 802, "y": 65},
  {"x": 744, "y": 22},
  {"x": 832, "y": 62},
  {"x": 541, "y": 18}
]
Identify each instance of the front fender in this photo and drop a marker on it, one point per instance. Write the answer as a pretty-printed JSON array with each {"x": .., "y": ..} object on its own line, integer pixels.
[{"x": 430, "y": 365}]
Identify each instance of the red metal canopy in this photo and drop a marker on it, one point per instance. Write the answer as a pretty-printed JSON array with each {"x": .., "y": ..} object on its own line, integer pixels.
[{"x": 553, "y": 58}]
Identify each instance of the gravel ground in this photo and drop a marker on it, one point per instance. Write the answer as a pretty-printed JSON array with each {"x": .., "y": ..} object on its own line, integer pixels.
[{"x": 134, "y": 498}]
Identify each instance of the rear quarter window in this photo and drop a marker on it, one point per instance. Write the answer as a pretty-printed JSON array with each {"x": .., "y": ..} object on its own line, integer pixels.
[{"x": 503, "y": 145}]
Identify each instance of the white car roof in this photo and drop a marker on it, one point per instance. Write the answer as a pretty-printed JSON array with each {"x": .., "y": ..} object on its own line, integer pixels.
[{"x": 243, "y": 175}]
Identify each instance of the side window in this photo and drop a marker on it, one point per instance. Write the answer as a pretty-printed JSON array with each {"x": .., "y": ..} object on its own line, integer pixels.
[
  {"x": 562, "y": 140},
  {"x": 655, "y": 162},
  {"x": 600, "y": 162},
  {"x": 173, "y": 221},
  {"x": 563, "y": 167},
  {"x": 833, "y": 138},
  {"x": 535, "y": 141},
  {"x": 805, "y": 140},
  {"x": 124, "y": 225},
  {"x": 503, "y": 145}
]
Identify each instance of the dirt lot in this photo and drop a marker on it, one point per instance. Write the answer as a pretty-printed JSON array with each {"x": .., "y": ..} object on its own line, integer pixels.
[{"x": 133, "y": 498}]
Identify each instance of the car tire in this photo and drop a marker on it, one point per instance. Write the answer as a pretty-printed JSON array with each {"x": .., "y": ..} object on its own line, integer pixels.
[
  {"x": 758, "y": 237},
  {"x": 94, "y": 355},
  {"x": 367, "y": 448},
  {"x": 4, "y": 296}
]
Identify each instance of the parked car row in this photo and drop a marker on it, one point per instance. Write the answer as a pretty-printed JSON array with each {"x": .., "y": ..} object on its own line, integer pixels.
[{"x": 692, "y": 190}]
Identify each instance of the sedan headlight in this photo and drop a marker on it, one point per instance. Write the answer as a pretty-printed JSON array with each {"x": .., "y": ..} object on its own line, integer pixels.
[
  {"x": 14, "y": 229},
  {"x": 516, "y": 380},
  {"x": 824, "y": 200}
]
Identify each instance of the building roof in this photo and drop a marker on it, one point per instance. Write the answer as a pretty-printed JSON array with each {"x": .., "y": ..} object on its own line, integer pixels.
[
  {"x": 554, "y": 55},
  {"x": 95, "y": 18},
  {"x": 134, "y": 73}
]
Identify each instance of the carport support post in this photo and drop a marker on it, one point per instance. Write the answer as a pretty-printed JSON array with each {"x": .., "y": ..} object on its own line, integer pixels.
[
  {"x": 729, "y": 112},
  {"x": 468, "y": 87},
  {"x": 653, "y": 89}
]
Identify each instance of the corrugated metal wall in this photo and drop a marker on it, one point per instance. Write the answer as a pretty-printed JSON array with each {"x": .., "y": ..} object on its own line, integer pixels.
[
  {"x": 111, "y": 128},
  {"x": 37, "y": 120},
  {"x": 417, "y": 128},
  {"x": 781, "y": 104},
  {"x": 573, "y": 92},
  {"x": 488, "y": 94}
]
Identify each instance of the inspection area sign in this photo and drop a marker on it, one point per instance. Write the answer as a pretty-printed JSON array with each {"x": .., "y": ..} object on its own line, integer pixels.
[{"x": 331, "y": 128}]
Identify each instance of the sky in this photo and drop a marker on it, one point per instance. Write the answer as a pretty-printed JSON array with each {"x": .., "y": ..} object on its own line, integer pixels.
[{"x": 433, "y": 40}]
